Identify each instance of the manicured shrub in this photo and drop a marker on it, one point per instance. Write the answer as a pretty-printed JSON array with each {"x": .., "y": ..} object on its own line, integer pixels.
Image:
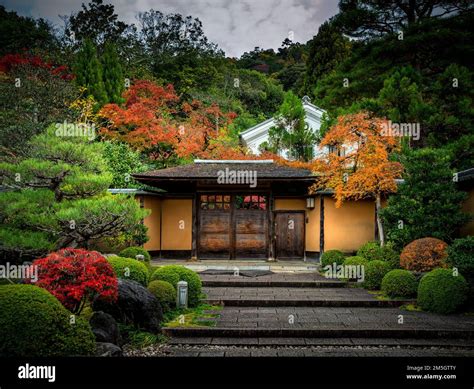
[
  {"x": 399, "y": 283},
  {"x": 332, "y": 256},
  {"x": 461, "y": 256},
  {"x": 175, "y": 273},
  {"x": 373, "y": 251},
  {"x": 424, "y": 255},
  {"x": 164, "y": 292},
  {"x": 441, "y": 291},
  {"x": 132, "y": 252},
  {"x": 75, "y": 276},
  {"x": 374, "y": 273},
  {"x": 130, "y": 269},
  {"x": 33, "y": 323},
  {"x": 355, "y": 261}
]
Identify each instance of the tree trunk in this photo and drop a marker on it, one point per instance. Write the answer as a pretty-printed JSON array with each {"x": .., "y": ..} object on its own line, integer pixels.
[{"x": 378, "y": 207}]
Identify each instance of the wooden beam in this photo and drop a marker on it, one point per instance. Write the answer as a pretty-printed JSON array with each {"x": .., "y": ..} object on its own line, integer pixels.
[{"x": 194, "y": 228}]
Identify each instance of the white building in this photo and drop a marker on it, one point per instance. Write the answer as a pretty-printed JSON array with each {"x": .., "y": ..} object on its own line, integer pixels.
[{"x": 256, "y": 135}]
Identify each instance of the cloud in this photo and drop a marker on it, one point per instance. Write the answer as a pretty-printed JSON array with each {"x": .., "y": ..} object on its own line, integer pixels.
[{"x": 236, "y": 26}]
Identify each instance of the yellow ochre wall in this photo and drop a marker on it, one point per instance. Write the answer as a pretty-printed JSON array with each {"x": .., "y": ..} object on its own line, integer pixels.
[
  {"x": 350, "y": 226},
  {"x": 312, "y": 227},
  {"x": 177, "y": 213},
  {"x": 468, "y": 207},
  {"x": 152, "y": 221}
]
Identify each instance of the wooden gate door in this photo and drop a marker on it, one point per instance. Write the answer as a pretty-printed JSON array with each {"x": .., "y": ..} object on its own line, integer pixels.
[
  {"x": 214, "y": 241},
  {"x": 289, "y": 234}
]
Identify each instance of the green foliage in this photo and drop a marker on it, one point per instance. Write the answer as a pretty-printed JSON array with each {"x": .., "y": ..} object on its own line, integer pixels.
[
  {"x": 61, "y": 194},
  {"x": 165, "y": 293},
  {"x": 112, "y": 74},
  {"x": 461, "y": 255},
  {"x": 399, "y": 283},
  {"x": 374, "y": 273},
  {"x": 428, "y": 202},
  {"x": 327, "y": 49},
  {"x": 373, "y": 251},
  {"x": 442, "y": 292},
  {"x": 332, "y": 256},
  {"x": 88, "y": 71},
  {"x": 130, "y": 269},
  {"x": 33, "y": 323},
  {"x": 291, "y": 131},
  {"x": 174, "y": 273},
  {"x": 355, "y": 261},
  {"x": 122, "y": 162},
  {"x": 132, "y": 252}
]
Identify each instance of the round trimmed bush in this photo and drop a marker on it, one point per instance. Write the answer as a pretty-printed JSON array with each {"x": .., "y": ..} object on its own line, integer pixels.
[
  {"x": 130, "y": 269},
  {"x": 461, "y": 256},
  {"x": 132, "y": 252},
  {"x": 175, "y": 273},
  {"x": 164, "y": 292},
  {"x": 355, "y": 261},
  {"x": 374, "y": 273},
  {"x": 332, "y": 256},
  {"x": 373, "y": 251},
  {"x": 424, "y": 255},
  {"x": 399, "y": 283},
  {"x": 33, "y": 323},
  {"x": 441, "y": 291}
]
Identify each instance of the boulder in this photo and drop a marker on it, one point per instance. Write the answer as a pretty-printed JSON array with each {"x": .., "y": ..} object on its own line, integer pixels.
[
  {"x": 107, "y": 350},
  {"x": 105, "y": 328},
  {"x": 135, "y": 305}
]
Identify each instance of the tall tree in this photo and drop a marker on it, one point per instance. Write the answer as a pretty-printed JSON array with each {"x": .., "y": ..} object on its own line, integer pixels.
[
  {"x": 291, "y": 134},
  {"x": 112, "y": 74},
  {"x": 361, "y": 167},
  {"x": 368, "y": 18},
  {"x": 327, "y": 49},
  {"x": 88, "y": 71},
  {"x": 428, "y": 203}
]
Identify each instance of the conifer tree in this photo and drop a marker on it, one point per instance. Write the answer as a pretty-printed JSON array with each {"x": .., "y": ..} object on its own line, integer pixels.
[{"x": 112, "y": 74}]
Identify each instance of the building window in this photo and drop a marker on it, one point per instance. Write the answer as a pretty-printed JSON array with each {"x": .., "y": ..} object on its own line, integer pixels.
[
  {"x": 215, "y": 201},
  {"x": 258, "y": 202}
]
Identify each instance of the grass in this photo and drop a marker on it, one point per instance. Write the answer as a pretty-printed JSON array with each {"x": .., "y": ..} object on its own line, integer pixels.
[
  {"x": 192, "y": 317},
  {"x": 411, "y": 308},
  {"x": 138, "y": 338}
]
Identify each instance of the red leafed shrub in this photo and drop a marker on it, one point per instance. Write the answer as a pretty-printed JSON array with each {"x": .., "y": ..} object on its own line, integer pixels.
[
  {"x": 75, "y": 276},
  {"x": 10, "y": 61},
  {"x": 424, "y": 255}
]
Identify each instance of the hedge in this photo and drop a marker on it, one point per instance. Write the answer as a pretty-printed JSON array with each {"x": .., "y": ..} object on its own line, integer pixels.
[
  {"x": 164, "y": 292},
  {"x": 399, "y": 283},
  {"x": 132, "y": 252},
  {"x": 374, "y": 273},
  {"x": 130, "y": 269},
  {"x": 33, "y": 323}
]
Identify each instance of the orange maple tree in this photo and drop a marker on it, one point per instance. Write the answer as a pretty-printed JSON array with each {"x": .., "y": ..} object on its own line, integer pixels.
[
  {"x": 152, "y": 120},
  {"x": 359, "y": 166}
]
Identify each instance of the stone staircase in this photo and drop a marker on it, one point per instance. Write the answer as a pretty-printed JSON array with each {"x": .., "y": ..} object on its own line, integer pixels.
[{"x": 305, "y": 310}]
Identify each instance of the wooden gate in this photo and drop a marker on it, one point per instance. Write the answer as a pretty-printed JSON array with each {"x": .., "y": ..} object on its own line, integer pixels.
[
  {"x": 289, "y": 234},
  {"x": 232, "y": 226}
]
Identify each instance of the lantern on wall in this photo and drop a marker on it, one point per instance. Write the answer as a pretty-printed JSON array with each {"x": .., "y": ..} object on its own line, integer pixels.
[{"x": 310, "y": 202}]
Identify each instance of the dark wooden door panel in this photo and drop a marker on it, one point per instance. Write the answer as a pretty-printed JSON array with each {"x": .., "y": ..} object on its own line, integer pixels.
[
  {"x": 251, "y": 234},
  {"x": 214, "y": 234},
  {"x": 289, "y": 235}
]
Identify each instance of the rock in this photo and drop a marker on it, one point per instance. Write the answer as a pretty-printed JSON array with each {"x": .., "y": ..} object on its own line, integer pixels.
[
  {"x": 107, "y": 350},
  {"x": 105, "y": 328},
  {"x": 135, "y": 305}
]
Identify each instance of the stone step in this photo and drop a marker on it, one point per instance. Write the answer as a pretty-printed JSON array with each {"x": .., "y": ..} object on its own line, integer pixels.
[
  {"x": 318, "y": 332},
  {"x": 252, "y": 283},
  {"x": 309, "y": 302},
  {"x": 376, "y": 342}
]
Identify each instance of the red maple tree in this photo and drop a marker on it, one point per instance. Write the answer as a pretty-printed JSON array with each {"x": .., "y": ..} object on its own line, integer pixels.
[{"x": 75, "y": 276}]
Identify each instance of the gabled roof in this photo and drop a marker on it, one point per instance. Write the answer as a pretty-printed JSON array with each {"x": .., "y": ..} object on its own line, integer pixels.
[{"x": 210, "y": 169}]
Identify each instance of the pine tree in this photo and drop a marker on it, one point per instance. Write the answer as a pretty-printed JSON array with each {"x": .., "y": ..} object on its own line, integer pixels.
[
  {"x": 88, "y": 70},
  {"x": 112, "y": 74},
  {"x": 428, "y": 203}
]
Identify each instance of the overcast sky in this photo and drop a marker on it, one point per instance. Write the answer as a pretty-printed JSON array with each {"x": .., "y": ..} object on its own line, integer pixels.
[{"x": 235, "y": 25}]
